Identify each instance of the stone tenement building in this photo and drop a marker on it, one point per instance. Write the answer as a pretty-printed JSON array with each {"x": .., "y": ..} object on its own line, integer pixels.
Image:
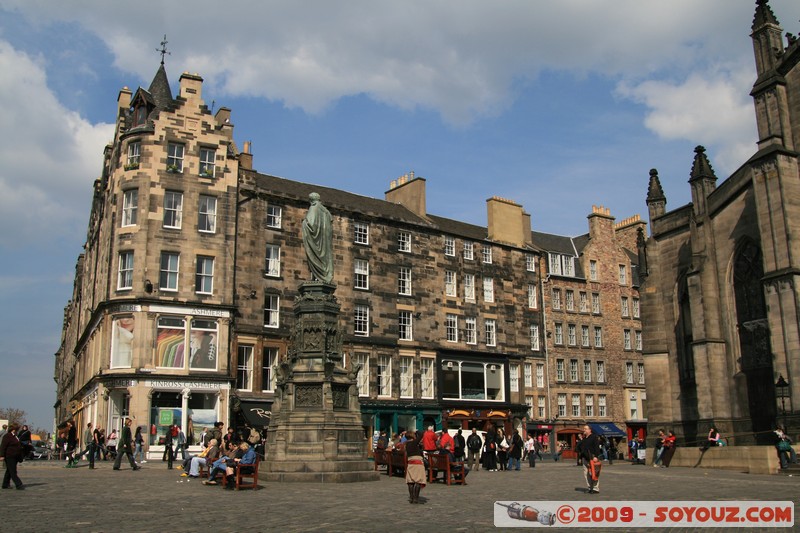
[
  {"x": 183, "y": 298},
  {"x": 720, "y": 301}
]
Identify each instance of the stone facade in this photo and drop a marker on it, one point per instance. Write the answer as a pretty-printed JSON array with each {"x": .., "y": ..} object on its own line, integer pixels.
[
  {"x": 720, "y": 297},
  {"x": 183, "y": 301}
]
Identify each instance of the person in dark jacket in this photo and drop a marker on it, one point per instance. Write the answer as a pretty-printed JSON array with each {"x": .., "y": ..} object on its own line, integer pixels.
[
  {"x": 589, "y": 449},
  {"x": 515, "y": 451},
  {"x": 11, "y": 452}
]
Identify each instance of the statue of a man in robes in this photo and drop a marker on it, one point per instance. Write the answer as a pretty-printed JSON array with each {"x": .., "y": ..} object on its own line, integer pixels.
[{"x": 318, "y": 239}]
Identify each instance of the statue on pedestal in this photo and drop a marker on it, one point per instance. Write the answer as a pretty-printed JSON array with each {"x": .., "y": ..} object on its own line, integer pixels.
[{"x": 318, "y": 239}]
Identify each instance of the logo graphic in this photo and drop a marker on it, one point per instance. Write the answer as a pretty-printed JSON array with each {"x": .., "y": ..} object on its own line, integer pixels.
[{"x": 528, "y": 513}]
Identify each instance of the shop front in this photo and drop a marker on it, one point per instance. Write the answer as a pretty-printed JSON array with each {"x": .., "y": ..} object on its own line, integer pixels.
[
  {"x": 395, "y": 417},
  {"x": 567, "y": 441},
  {"x": 251, "y": 412},
  {"x": 542, "y": 432}
]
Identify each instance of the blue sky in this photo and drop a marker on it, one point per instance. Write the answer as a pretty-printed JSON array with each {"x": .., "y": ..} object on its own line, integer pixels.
[{"x": 555, "y": 105}]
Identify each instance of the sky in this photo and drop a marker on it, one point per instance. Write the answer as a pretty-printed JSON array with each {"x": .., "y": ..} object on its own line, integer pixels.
[{"x": 557, "y": 106}]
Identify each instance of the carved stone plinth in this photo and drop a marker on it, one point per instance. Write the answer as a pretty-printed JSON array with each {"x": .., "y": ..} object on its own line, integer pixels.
[{"x": 315, "y": 433}]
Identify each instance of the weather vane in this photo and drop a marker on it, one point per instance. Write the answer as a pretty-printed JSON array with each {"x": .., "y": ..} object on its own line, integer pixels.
[{"x": 163, "y": 49}]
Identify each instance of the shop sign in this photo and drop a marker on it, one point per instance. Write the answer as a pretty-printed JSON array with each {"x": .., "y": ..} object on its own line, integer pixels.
[
  {"x": 120, "y": 383},
  {"x": 177, "y": 384},
  {"x": 165, "y": 417},
  {"x": 125, "y": 308},
  {"x": 196, "y": 311}
]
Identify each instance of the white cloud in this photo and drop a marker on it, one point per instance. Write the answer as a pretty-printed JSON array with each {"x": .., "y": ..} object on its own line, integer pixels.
[
  {"x": 706, "y": 108},
  {"x": 50, "y": 156}
]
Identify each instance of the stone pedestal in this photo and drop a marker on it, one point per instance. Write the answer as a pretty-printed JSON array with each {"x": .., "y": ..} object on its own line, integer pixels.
[{"x": 315, "y": 433}]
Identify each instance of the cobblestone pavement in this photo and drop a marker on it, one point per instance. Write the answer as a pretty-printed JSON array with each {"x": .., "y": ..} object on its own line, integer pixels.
[{"x": 155, "y": 499}]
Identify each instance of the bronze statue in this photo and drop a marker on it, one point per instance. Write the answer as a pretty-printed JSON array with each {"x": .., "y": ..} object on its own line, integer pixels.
[{"x": 318, "y": 239}]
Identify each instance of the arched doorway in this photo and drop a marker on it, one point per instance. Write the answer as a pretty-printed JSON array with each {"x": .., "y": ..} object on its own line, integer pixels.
[{"x": 756, "y": 352}]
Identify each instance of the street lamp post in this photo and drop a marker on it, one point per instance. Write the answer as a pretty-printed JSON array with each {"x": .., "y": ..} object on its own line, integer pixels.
[{"x": 782, "y": 391}]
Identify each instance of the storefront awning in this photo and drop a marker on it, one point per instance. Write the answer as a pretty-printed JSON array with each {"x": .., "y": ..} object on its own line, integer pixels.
[
  {"x": 607, "y": 429},
  {"x": 256, "y": 412}
]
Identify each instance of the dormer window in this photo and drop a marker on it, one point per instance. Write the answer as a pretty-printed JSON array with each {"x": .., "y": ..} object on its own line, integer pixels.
[{"x": 139, "y": 115}]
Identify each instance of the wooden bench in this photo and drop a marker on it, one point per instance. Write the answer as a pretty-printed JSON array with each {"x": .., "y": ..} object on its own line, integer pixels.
[
  {"x": 246, "y": 471},
  {"x": 397, "y": 462},
  {"x": 381, "y": 459},
  {"x": 453, "y": 470}
]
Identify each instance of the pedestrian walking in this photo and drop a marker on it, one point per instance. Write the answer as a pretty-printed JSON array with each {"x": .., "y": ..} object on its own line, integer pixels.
[
  {"x": 474, "y": 445},
  {"x": 589, "y": 454},
  {"x": 12, "y": 453},
  {"x": 126, "y": 446}
]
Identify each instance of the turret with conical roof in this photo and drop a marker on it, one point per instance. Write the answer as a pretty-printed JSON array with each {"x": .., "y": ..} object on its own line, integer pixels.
[
  {"x": 160, "y": 89},
  {"x": 702, "y": 179},
  {"x": 656, "y": 200}
]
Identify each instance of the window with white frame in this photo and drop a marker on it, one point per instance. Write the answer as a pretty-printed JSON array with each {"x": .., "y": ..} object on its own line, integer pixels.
[
  {"x": 207, "y": 214},
  {"x": 640, "y": 370},
  {"x": 624, "y": 306},
  {"x": 558, "y": 333},
  {"x": 173, "y": 209},
  {"x": 527, "y": 372},
  {"x": 583, "y": 302},
  {"x": 534, "y": 331},
  {"x": 130, "y": 207},
  {"x": 384, "y": 375},
  {"x": 557, "y": 299},
  {"x": 269, "y": 361},
  {"x": 596, "y": 303},
  {"x": 469, "y": 287},
  {"x": 125, "y": 271},
  {"x": 486, "y": 252},
  {"x": 562, "y": 404},
  {"x": 513, "y": 371},
  {"x": 540, "y": 406},
  {"x": 626, "y": 339},
  {"x": 573, "y": 370},
  {"x": 532, "y": 296},
  {"x": 406, "y": 375},
  {"x": 470, "y": 381},
  {"x": 491, "y": 331},
  {"x": 570, "y": 300},
  {"x": 244, "y": 368},
  {"x": 634, "y": 406},
  {"x": 555, "y": 263},
  {"x": 638, "y": 337},
  {"x": 134, "y": 155},
  {"x": 450, "y": 283},
  {"x": 468, "y": 251},
  {"x": 585, "y": 336},
  {"x": 488, "y": 290},
  {"x": 272, "y": 260},
  {"x": 361, "y": 321},
  {"x": 587, "y": 371},
  {"x": 560, "y": 375},
  {"x": 470, "y": 330},
  {"x": 589, "y": 401},
  {"x": 540, "y": 375},
  {"x": 404, "y": 241},
  {"x": 451, "y": 327},
  {"x": 530, "y": 262},
  {"x": 449, "y": 246},
  {"x": 175, "y": 157},
  {"x": 208, "y": 162},
  {"x": 576, "y": 405},
  {"x": 204, "y": 275},
  {"x": 601, "y": 405},
  {"x": 361, "y": 274},
  {"x": 592, "y": 270},
  {"x": 404, "y": 281},
  {"x": 568, "y": 265},
  {"x": 274, "y": 216},
  {"x": 360, "y": 233},
  {"x": 572, "y": 337},
  {"x": 272, "y": 304},
  {"x": 362, "y": 361},
  {"x": 426, "y": 377},
  {"x": 623, "y": 275},
  {"x": 600, "y": 366},
  {"x": 598, "y": 337},
  {"x": 168, "y": 276},
  {"x": 628, "y": 372},
  {"x": 636, "y": 308},
  {"x": 405, "y": 323},
  {"x": 529, "y": 403}
]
